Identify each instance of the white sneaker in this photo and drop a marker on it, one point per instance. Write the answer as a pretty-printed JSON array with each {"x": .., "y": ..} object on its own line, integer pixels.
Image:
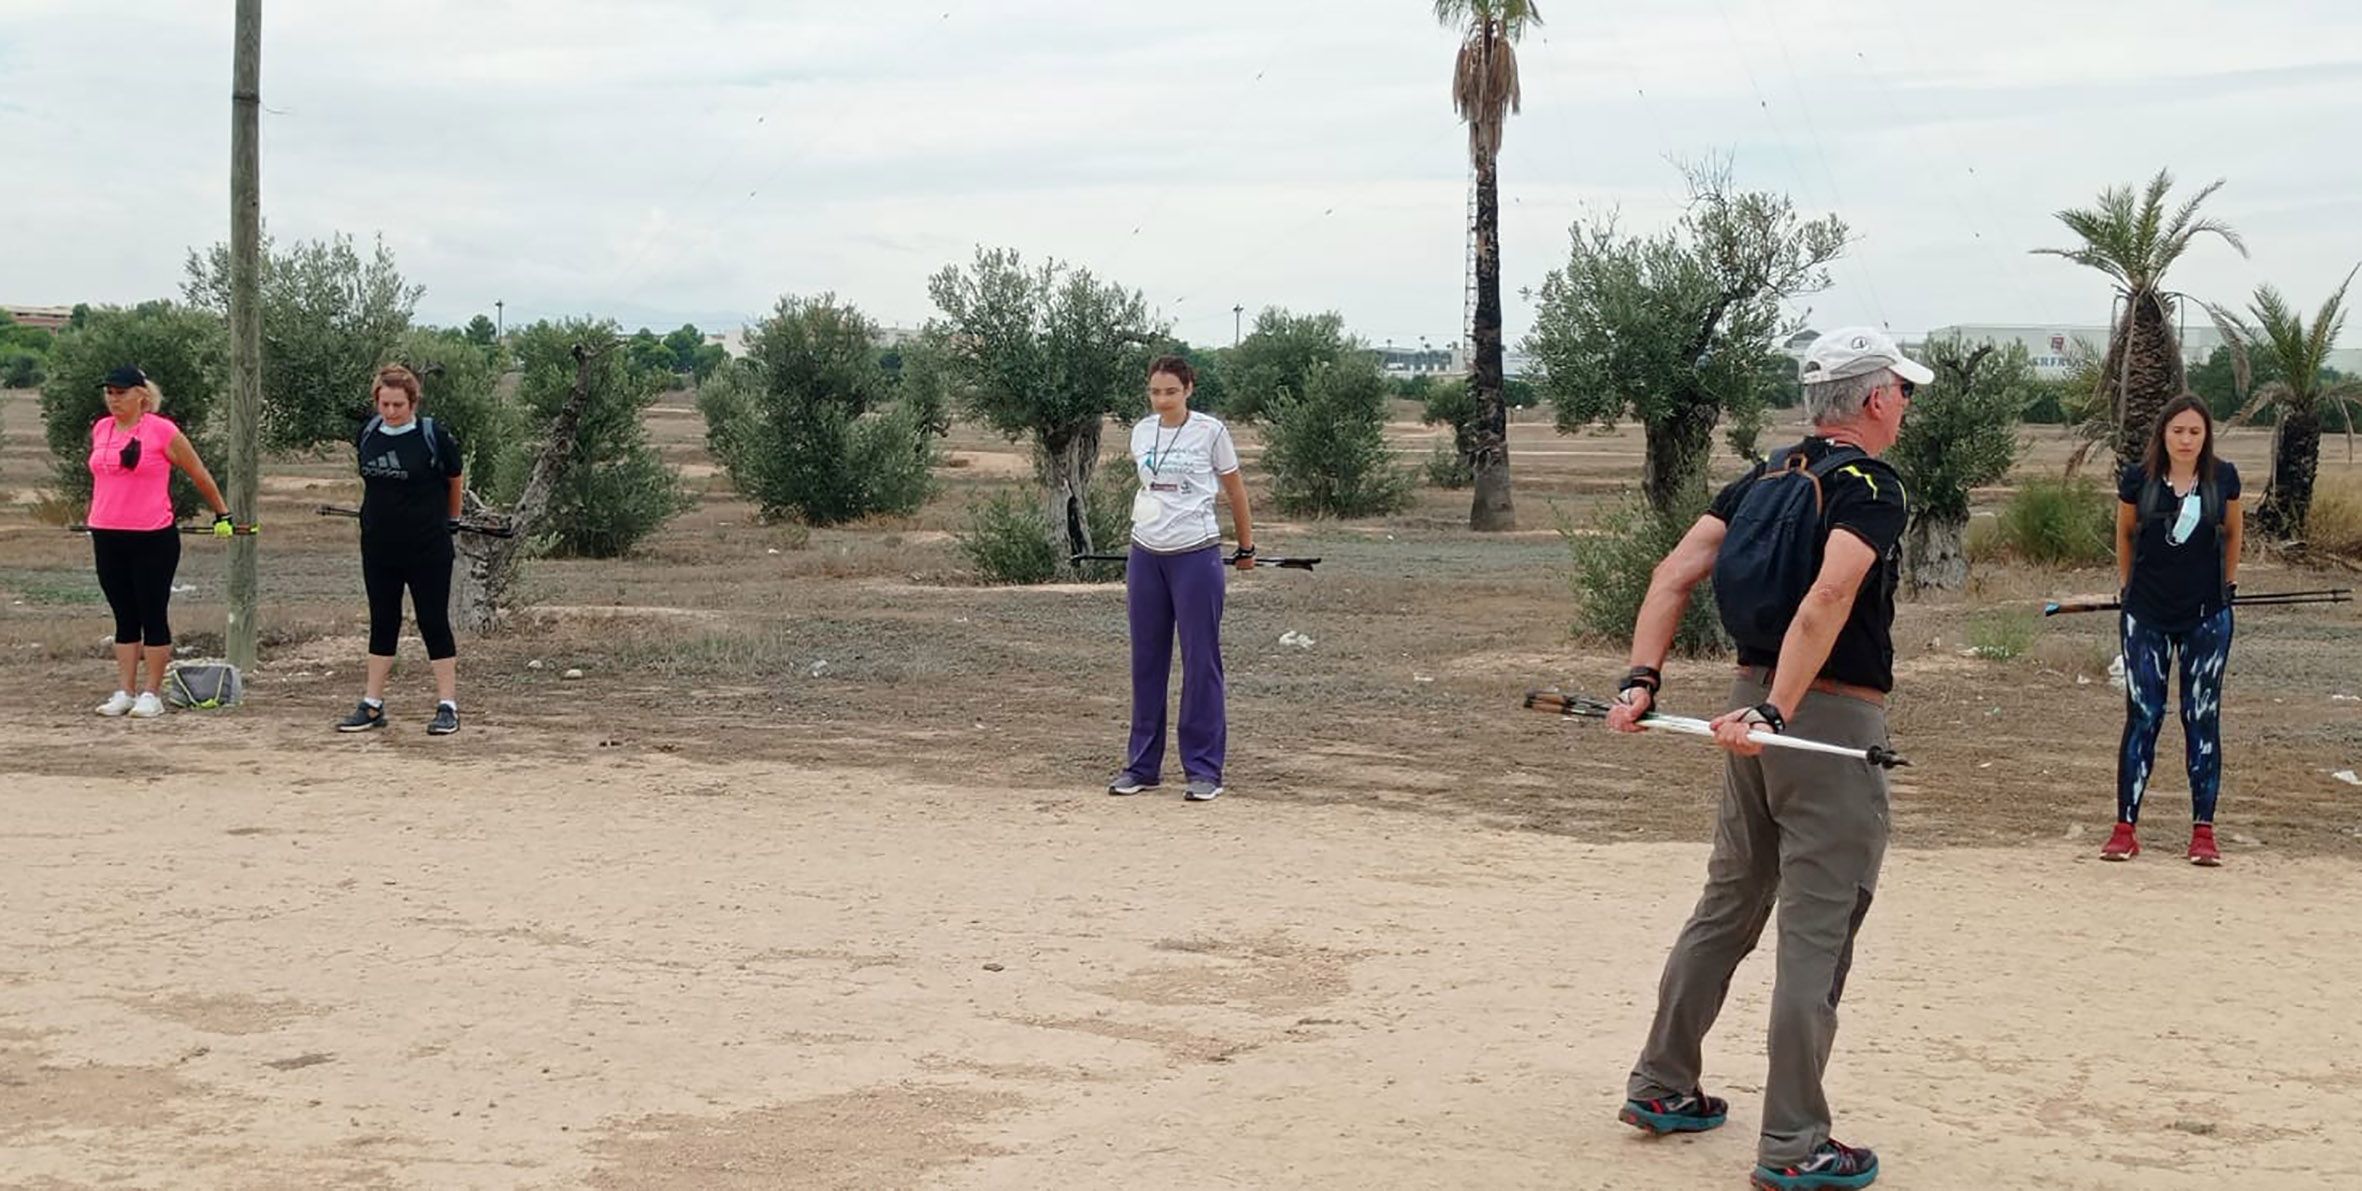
[
  {"x": 147, "y": 706},
  {"x": 116, "y": 704}
]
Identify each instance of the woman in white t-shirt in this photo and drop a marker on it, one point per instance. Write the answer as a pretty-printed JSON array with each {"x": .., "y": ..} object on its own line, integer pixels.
[{"x": 1173, "y": 582}]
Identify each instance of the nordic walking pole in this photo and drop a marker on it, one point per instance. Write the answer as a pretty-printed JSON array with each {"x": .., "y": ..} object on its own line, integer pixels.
[
  {"x": 2261, "y": 599},
  {"x": 194, "y": 531},
  {"x": 1294, "y": 564},
  {"x": 1585, "y": 707},
  {"x": 486, "y": 528}
]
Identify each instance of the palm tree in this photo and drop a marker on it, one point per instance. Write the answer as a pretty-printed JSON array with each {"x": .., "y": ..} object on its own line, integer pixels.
[
  {"x": 2299, "y": 355},
  {"x": 2129, "y": 237},
  {"x": 1485, "y": 91}
]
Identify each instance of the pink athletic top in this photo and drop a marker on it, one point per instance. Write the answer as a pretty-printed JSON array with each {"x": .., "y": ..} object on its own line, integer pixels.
[{"x": 138, "y": 499}]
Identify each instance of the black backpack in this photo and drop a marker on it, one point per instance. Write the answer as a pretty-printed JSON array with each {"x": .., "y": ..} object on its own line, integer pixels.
[
  {"x": 426, "y": 426},
  {"x": 2158, "y": 503},
  {"x": 1772, "y": 549}
]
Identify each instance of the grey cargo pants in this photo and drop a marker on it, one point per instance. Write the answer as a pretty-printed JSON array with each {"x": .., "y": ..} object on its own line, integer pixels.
[{"x": 1806, "y": 833}]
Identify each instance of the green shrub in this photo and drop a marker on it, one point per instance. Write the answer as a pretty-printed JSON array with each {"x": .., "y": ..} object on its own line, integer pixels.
[
  {"x": 615, "y": 490},
  {"x": 2054, "y": 522},
  {"x": 20, "y": 370},
  {"x": 1447, "y": 468},
  {"x": 1612, "y": 563},
  {"x": 1008, "y": 535},
  {"x": 1449, "y": 403},
  {"x": 1326, "y": 445},
  {"x": 804, "y": 426}
]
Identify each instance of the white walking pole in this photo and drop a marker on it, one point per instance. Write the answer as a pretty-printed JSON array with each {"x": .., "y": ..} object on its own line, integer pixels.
[{"x": 1584, "y": 707}]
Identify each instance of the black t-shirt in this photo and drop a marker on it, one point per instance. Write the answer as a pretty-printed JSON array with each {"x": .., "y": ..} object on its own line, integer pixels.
[
  {"x": 1866, "y": 499},
  {"x": 2176, "y": 584},
  {"x": 405, "y": 491}
]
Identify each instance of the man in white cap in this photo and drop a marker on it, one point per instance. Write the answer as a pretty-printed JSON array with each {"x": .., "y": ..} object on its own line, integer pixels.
[{"x": 1803, "y": 551}]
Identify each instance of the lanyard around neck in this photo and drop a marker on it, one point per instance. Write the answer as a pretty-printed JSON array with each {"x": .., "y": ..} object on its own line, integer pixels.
[{"x": 1157, "y": 446}]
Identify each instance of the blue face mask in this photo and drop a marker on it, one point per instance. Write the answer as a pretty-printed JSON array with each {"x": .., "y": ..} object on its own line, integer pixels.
[{"x": 2187, "y": 523}]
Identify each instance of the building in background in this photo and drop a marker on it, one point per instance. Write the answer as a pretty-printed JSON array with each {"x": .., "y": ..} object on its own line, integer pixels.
[
  {"x": 1450, "y": 360},
  {"x": 48, "y": 318},
  {"x": 2053, "y": 348}
]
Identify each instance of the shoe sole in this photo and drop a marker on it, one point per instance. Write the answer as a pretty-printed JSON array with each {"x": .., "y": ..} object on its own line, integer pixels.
[
  {"x": 2117, "y": 856},
  {"x": 1127, "y": 791},
  {"x": 1203, "y": 797},
  {"x": 2207, "y": 861},
  {"x": 1811, "y": 1182},
  {"x": 1661, "y": 1125},
  {"x": 453, "y": 730},
  {"x": 352, "y": 728}
]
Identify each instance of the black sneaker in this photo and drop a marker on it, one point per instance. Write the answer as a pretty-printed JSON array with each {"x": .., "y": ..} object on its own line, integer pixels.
[
  {"x": 364, "y": 719},
  {"x": 1833, "y": 1165},
  {"x": 446, "y": 720},
  {"x": 1693, "y": 1113}
]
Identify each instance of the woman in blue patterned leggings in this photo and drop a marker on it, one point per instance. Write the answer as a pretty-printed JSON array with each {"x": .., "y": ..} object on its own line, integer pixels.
[{"x": 2177, "y": 552}]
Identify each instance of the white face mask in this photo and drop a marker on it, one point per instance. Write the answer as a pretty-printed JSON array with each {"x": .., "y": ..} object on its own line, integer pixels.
[{"x": 2187, "y": 523}]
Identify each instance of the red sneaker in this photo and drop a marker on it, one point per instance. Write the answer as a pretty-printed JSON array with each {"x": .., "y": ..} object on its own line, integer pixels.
[
  {"x": 2121, "y": 845},
  {"x": 2203, "y": 853}
]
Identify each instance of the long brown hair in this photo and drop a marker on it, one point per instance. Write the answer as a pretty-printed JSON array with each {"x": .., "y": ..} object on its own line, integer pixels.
[{"x": 2153, "y": 460}]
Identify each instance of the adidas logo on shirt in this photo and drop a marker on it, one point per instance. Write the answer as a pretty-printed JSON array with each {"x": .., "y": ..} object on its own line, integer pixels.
[{"x": 385, "y": 467}]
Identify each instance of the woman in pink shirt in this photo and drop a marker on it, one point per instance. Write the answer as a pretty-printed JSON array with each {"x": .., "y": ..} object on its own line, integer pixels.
[{"x": 132, "y": 453}]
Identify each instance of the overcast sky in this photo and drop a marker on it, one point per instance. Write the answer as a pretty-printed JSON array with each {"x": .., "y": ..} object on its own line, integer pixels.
[{"x": 664, "y": 161}]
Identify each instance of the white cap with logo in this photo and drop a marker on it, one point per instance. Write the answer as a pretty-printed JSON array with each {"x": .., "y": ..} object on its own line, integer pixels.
[{"x": 1858, "y": 351}]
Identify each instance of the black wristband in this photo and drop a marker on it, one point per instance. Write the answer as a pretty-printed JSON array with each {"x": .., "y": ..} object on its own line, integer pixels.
[
  {"x": 1644, "y": 677},
  {"x": 1244, "y": 552},
  {"x": 1771, "y": 717}
]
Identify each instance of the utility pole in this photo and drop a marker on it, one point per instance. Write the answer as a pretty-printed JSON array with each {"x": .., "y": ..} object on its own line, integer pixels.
[
  {"x": 1237, "y": 315},
  {"x": 245, "y": 326},
  {"x": 499, "y": 320}
]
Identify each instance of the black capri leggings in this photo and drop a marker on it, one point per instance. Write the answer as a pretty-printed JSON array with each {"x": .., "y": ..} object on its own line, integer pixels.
[
  {"x": 424, "y": 568},
  {"x": 135, "y": 570}
]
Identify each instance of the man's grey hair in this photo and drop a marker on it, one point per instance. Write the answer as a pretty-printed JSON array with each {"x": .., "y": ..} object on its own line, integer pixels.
[{"x": 1832, "y": 402}]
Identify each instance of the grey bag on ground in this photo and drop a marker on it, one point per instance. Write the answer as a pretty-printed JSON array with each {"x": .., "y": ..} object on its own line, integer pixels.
[{"x": 203, "y": 685}]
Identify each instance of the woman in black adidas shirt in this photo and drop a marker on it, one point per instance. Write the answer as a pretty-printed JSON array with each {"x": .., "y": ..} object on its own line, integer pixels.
[
  {"x": 411, "y": 490},
  {"x": 2177, "y": 554}
]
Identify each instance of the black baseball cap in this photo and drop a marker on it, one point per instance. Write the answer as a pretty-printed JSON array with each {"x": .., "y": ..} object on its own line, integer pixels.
[{"x": 126, "y": 377}]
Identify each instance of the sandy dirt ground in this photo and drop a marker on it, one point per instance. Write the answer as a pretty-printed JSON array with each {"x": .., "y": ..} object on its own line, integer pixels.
[{"x": 238, "y": 957}]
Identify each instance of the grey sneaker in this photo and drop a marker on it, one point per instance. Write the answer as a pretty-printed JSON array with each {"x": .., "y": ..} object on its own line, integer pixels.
[
  {"x": 1203, "y": 791},
  {"x": 364, "y": 719},
  {"x": 1125, "y": 783},
  {"x": 446, "y": 720}
]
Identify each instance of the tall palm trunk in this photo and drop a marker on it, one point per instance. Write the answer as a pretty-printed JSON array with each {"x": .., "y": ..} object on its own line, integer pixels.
[
  {"x": 2296, "y": 460},
  {"x": 2145, "y": 363},
  {"x": 1489, "y": 436}
]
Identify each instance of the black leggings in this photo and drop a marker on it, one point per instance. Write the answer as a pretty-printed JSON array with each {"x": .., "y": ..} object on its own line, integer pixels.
[
  {"x": 135, "y": 569},
  {"x": 424, "y": 568}
]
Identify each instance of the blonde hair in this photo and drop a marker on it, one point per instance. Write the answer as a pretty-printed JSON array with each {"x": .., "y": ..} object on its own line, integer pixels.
[{"x": 154, "y": 397}]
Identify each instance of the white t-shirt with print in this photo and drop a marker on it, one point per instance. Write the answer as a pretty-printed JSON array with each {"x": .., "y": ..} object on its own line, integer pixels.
[{"x": 1180, "y": 469}]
